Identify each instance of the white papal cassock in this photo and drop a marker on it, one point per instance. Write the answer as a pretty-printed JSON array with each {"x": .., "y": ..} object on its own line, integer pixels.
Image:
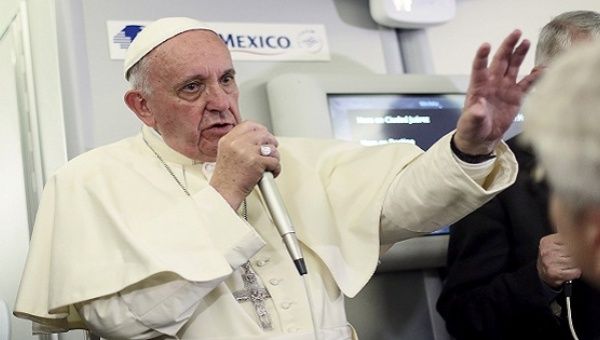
[{"x": 114, "y": 219}]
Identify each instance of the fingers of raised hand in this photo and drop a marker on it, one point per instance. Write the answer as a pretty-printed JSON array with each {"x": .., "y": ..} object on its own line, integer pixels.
[
  {"x": 503, "y": 55},
  {"x": 526, "y": 82},
  {"x": 480, "y": 62},
  {"x": 508, "y": 60},
  {"x": 516, "y": 59}
]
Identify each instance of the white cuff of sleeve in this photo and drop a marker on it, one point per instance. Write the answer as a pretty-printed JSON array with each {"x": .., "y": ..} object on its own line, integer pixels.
[
  {"x": 479, "y": 171},
  {"x": 166, "y": 307}
]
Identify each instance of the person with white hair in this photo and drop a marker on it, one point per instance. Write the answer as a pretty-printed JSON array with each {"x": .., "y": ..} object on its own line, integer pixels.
[
  {"x": 563, "y": 126},
  {"x": 165, "y": 234},
  {"x": 507, "y": 265}
]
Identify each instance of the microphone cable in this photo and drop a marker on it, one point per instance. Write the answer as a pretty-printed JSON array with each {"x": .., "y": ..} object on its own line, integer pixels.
[
  {"x": 568, "y": 288},
  {"x": 316, "y": 329},
  {"x": 281, "y": 219}
]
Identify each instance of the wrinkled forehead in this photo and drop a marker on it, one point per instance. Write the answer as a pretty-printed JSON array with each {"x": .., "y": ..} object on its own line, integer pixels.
[
  {"x": 193, "y": 54},
  {"x": 190, "y": 50}
]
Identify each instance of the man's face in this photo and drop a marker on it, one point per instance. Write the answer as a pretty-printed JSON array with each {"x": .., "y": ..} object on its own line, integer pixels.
[{"x": 193, "y": 99}]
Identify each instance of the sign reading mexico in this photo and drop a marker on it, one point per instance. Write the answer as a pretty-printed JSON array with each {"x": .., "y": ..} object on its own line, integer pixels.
[{"x": 246, "y": 41}]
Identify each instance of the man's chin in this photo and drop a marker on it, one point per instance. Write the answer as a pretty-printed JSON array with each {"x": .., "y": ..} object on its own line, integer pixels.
[
  {"x": 207, "y": 153},
  {"x": 207, "y": 159}
]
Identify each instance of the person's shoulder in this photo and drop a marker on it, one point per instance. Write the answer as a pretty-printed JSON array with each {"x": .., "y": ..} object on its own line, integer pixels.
[
  {"x": 312, "y": 151},
  {"x": 314, "y": 148},
  {"x": 333, "y": 151},
  {"x": 101, "y": 159}
]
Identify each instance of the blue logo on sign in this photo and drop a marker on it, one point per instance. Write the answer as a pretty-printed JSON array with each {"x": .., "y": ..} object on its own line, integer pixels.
[{"x": 126, "y": 35}]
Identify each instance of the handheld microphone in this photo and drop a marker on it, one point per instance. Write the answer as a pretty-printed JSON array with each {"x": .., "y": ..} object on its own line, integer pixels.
[
  {"x": 568, "y": 288},
  {"x": 280, "y": 216}
]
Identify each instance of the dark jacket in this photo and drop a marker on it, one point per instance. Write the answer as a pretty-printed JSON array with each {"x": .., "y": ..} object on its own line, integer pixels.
[{"x": 492, "y": 289}]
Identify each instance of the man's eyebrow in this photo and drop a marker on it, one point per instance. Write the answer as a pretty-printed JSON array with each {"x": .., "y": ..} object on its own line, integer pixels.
[{"x": 230, "y": 72}]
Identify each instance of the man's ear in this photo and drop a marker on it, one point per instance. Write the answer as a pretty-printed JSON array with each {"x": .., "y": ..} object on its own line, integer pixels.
[{"x": 137, "y": 103}]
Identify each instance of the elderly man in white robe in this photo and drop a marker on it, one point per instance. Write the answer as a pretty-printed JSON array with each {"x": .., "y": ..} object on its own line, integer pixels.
[{"x": 165, "y": 235}]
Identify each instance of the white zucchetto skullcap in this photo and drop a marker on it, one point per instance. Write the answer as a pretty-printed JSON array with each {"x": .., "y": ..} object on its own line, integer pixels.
[{"x": 155, "y": 34}]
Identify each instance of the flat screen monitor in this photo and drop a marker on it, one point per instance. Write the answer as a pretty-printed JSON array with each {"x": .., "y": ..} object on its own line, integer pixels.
[
  {"x": 375, "y": 119},
  {"x": 420, "y": 119}
]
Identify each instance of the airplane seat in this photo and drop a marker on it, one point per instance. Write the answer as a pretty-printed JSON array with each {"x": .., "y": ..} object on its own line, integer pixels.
[
  {"x": 87, "y": 335},
  {"x": 399, "y": 301}
]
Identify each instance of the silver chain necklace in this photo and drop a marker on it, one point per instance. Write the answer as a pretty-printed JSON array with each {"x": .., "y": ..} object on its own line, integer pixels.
[
  {"x": 167, "y": 167},
  {"x": 185, "y": 190}
]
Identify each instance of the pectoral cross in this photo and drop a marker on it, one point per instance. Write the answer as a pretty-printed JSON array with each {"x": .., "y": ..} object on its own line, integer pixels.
[{"x": 256, "y": 294}]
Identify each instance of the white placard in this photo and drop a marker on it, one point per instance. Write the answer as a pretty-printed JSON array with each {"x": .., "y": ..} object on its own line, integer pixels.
[{"x": 246, "y": 41}]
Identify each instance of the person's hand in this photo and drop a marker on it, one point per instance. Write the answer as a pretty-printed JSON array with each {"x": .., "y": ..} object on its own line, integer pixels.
[
  {"x": 240, "y": 162},
  {"x": 494, "y": 96},
  {"x": 554, "y": 264}
]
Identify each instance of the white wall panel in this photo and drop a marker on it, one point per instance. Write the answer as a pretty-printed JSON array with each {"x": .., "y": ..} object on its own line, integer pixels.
[
  {"x": 357, "y": 45},
  {"x": 14, "y": 222},
  {"x": 453, "y": 44}
]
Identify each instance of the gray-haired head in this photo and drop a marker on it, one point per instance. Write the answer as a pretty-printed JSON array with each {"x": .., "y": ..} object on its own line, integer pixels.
[{"x": 563, "y": 31}]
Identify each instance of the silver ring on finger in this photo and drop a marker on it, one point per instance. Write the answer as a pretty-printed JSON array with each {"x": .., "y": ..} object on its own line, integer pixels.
[{"x": 265, "y": 150}]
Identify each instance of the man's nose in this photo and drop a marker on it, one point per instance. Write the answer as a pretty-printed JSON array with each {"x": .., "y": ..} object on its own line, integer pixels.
[{"x": 216, "y": 99}]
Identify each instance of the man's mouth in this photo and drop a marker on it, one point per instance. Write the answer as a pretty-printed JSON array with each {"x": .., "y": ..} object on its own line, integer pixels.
[{"x": 219, "y": 129}]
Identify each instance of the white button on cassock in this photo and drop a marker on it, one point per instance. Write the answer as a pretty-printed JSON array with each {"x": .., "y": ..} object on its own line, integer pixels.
[
  {"x": 263, "y": 262},
  {"x": 209, "y": 167},
  {"x": 274, "y": 282}
]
